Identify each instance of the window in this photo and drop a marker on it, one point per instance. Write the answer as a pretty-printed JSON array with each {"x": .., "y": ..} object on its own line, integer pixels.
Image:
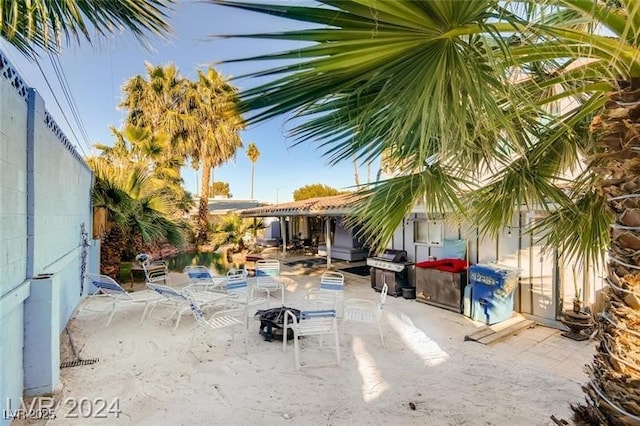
[{"x": 428, "y": 232}]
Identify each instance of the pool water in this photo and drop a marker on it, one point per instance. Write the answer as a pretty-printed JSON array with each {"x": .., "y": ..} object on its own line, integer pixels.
[{"x": 211, "y": 260}]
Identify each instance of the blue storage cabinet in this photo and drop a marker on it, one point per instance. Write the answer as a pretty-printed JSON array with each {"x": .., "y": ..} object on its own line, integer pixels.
[{"x": 489, "y": 296}]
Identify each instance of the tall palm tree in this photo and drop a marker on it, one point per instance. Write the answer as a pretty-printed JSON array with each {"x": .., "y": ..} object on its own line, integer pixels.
[
  {"x": 213, "y": 133},
  {"x": 461, "y": 98},
  {"x": 159, "y": 101},
  {"x": 200, "y": 117},
  {"x": 253, "y": 153},
  {"x": 34, "y": 25}
]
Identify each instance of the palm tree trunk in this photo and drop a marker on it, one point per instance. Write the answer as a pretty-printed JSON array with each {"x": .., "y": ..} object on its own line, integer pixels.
[
  {"x": 203, "y": 208},
  {"x": 111, "y": 248},
  {"x": 355, "y": 170},
  {"x": 613, "y": 390},
  {"x": 252, "y": 170}
]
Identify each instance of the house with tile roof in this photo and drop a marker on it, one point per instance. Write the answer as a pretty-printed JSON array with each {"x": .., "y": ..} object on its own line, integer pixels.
[{"x": 547, "y": 282}]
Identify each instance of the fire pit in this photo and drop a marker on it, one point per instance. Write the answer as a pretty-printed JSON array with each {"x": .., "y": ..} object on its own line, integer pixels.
[{"x": 272, "y": 322}]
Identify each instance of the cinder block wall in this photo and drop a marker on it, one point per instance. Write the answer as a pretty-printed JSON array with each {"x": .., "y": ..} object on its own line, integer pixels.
[
  {"x": 44, "y": 202},
  {"x": 13, "y": 230}
]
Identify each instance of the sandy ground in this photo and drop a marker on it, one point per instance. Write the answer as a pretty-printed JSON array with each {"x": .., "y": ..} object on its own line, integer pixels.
[{"x": 425, "y": 375}]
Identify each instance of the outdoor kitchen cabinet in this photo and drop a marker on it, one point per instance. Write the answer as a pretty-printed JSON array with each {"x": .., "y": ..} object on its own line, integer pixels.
[{"x": 441, "y": 283}]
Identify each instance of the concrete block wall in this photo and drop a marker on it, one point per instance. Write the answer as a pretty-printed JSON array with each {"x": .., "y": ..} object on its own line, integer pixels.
[
  {"x": 13, "y": 230},
  {"x": 13, "y": 178},
  {"x": 45, "y": 202}
]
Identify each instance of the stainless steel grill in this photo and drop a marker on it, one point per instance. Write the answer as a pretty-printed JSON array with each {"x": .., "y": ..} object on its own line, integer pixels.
[{"x": 391, "y": 267}]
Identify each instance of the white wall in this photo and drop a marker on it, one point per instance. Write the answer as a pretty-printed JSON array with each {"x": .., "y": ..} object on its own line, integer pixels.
[{"x": 546, "y": 281}]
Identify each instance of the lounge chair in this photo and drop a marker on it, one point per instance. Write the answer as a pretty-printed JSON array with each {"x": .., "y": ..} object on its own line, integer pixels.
[
  {"x": 201, "y": 278},
  {"x": 219, "y": 320},
  {"x": 108, "y": 287},
  {"x": 180, "y": 300}
]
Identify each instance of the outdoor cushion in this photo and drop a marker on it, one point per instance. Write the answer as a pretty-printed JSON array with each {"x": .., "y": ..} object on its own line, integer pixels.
[{"x": 446, "y": 265}]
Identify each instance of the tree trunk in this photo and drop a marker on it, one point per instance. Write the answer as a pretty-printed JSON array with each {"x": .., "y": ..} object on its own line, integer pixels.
[
  {"x": 355, "y": 170},
  {"x": 613, "y": 389},
  {"x": 202, "y": 234},
  {"x": 111, "y": 248},
  {"x": 252, "y": 170}
]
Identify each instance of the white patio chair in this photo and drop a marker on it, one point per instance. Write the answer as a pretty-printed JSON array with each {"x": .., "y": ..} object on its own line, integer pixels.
[
  {"x": 268, "y": 278},
  {"x": 219, "y": 320},
  {"x": 108, "y": 287},
  {"x": 180, "y": 300},
  {"x": 239, "y": 292},
  {"x": 201, "y": 278},
  {"x": 156, "y": 271},
  {"x": 366, "y": 311},
  {"x": 333, "y": 282},
  {"x": 317, "y": 318}
]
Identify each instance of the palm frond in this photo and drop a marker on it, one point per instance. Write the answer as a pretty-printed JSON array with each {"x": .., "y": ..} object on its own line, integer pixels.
[{"x": 35, "y": 25}]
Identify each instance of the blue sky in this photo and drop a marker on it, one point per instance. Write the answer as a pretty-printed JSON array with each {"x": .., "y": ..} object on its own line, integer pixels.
[{"x": 96, "y": 72}]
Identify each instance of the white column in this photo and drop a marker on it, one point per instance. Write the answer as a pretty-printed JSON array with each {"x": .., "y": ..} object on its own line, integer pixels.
[
  {"x": 328, "y": 241},
  {"x": 283, "y": 235}
]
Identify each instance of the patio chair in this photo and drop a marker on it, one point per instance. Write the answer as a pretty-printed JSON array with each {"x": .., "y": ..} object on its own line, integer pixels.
[
  {"x": 156, "y": 271},
  {"x": 180, "y": 300},
  {"x": 201, "y": 278},
  {"x": 240, "y": 295},
  {"x": 268, "y": 278},
  {"x": 219, "y": 320},
  {"x": 366, "y": 311},
  {"x": 108, "y": 287},
  {"x": 333, "y": 282},
  {"x": 317, "y": 318}
]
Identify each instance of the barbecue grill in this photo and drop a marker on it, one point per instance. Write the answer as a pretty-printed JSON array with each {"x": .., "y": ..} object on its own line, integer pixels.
[{"x": 391, "y": 267}]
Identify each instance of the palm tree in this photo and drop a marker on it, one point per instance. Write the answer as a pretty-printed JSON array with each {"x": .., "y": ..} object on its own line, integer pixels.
[
  {"x": 136, "y": 205},
  {"x": 159, "y": 102},
  {"x": 253, "y": 153},
  {"x": 139, "y": 147},
  {"x": 213, "y": 133},
  {"x": 33, "y": 25},
  {"x": 199, "y": 116},
  {"x": 461, "y": 97}
]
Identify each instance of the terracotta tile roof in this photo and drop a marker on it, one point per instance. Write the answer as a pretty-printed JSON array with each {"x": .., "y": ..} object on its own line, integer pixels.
[{"x": 335, "y": 205}]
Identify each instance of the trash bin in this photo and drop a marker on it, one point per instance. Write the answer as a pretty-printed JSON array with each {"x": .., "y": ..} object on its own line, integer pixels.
[{"x": 490, "y": 296}]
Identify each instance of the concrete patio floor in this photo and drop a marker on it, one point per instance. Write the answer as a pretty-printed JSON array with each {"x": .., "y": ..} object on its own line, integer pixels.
[{"x": 425, "y": 375}]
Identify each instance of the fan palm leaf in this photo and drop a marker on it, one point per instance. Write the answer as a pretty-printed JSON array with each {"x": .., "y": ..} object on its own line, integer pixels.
[
  {"x": 483, "y": 106},
  {"x": 34, "y": 25}
]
